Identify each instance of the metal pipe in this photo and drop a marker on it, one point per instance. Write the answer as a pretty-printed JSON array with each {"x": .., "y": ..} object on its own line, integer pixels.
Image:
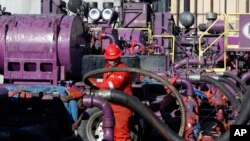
[
  {"x": 141, "y": 47},
  {"x": 247, "y": 6},
  {"x": 232, "y": 87},
  {"x": 187, "y": 84},
  {"x": 133, "y": 50},
  {"x": 245, "y": 77},
  {"x": 108, "y": 119},
  {"x": 191, "y": 62},
  {"x": 237, "y": 80},
  {"x": 212, "y": 6},
  {"x": 168, "y": 55},
  {"x": 187, "y": 5},
  {"x": 225, "y": 6},
  {"x": 196, "y": 16},
  {"x": 163, "y": 3},
  {"x": 110, "y": 36},
  {"x": 177, "y": 12}
]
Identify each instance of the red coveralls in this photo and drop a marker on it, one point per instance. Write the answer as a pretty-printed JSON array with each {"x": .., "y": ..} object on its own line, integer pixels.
[{"x": 119, "y": 81}]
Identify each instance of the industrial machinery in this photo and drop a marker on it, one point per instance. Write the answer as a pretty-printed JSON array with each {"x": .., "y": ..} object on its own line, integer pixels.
[{"x": 192, "y": 81}]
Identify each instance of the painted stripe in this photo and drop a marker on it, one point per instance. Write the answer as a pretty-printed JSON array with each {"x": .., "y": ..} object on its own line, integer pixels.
[
  {"x": 111, "y": 86},
  {"x": 120, "y": 77},
  {"x": 99, "y": 80}
]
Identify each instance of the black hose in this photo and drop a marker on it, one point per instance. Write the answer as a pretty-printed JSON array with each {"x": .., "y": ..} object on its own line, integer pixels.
[
  {"x": 244, "y": 114},
  {"x": 223, "y": 89},
  {"x": 242, "y": 118},
  {"x": 150, "y": 74},
  {"x": 108, "y": 120},
  {"x": 217, "y": 84},
  {"x": 237, "y": 79},
  {"x": 134, "y": 103},
  {"x": 12, "y": 134},
  {"x": 233, "y": 86}
]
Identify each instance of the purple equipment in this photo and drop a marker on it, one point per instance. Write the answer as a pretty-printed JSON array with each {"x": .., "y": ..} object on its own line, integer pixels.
[{"x": 40, "y": 48}]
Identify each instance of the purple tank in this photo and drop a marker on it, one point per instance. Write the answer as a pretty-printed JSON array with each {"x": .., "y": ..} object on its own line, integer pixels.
[{"x": 40, "y": 48}]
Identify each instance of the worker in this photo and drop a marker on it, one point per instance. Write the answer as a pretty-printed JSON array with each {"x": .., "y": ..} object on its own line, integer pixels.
[{"x": 119, "y": 81}]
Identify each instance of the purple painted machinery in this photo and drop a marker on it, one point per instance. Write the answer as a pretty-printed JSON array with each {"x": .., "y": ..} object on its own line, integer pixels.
[{"x": 39, "y": 49}]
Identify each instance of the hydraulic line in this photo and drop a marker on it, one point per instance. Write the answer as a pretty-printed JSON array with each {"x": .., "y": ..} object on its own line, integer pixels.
[
  {"x": 110, "y": 36},
  {"x": 217, "y": 84},
  {"x": 196, "y": 62},
  {"x": 233, "y": 86},
  {"x": 245, "y": 77},
  {"x": 108, "y": 120},
  {"x": 134, "y": 103},
  {"x": 236, "y": 78},
  {"x": 150, "y": 74},
  {"x": 184, "y": 62},
  {"x": 242, "y": 118},
  {"x": 187, "y": 84},
  {"x": 224, "y": 90}
]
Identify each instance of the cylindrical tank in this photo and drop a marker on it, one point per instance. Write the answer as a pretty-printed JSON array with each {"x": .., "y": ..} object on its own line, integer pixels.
[
  {"x": 39, "y": 46},
  {"x": 69, "y": 40},
  {"x": 4, "y": 20}
]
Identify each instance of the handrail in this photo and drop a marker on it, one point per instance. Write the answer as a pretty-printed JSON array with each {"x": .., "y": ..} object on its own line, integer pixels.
[
  {"x": 173, "y": 42},
  {"x": 202, "y": 51}
]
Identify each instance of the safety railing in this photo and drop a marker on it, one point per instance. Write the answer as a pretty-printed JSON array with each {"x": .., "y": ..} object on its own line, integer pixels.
[
  {"x": 172, "y": 43},
  {"x": 202, "y": 51}
]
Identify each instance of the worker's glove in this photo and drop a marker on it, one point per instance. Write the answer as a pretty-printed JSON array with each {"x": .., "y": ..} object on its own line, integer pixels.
[{"x": 74, "y": 93}]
